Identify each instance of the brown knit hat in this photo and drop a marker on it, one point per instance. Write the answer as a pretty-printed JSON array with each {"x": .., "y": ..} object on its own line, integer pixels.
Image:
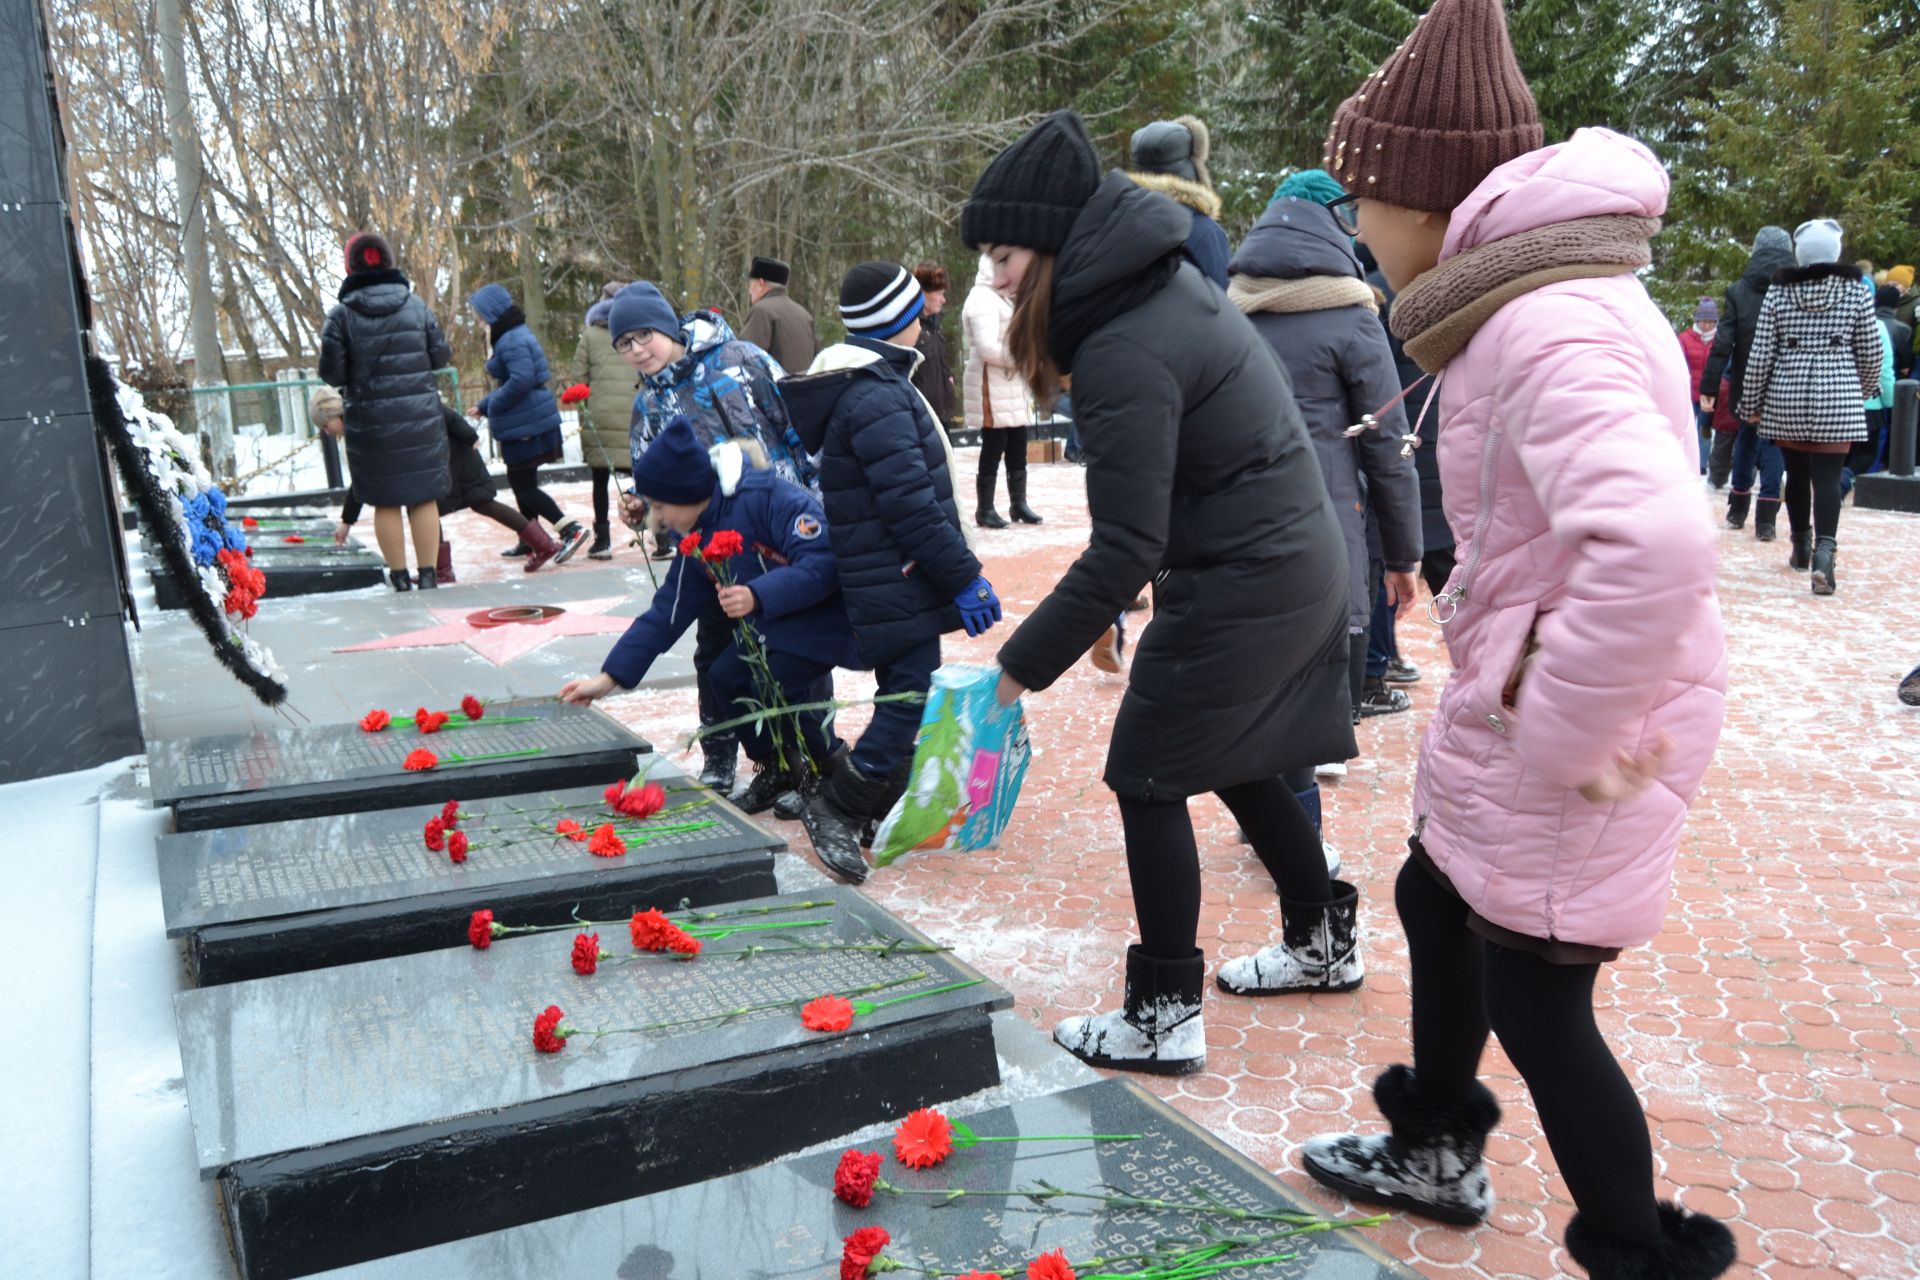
[{"x": 1446, "y": 108}]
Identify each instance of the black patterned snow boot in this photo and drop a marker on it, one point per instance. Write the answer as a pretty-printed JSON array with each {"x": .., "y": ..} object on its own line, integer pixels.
[
  {"x": 836, "y": 816},
  {"x": 1157, "y": 1028},
  {"x": 722, "y": 762},
  {"x": 1319, "y": 950},
  {"x": 1429, "y": 1164},
  {"x": 768, "y": 787},
  {"x": 1692, "y": 1247}
]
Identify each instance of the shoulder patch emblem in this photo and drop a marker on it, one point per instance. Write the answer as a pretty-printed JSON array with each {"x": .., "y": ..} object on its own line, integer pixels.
[{"x": 805, "y": 526}]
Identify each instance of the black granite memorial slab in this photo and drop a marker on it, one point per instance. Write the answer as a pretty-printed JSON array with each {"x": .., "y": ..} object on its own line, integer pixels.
[
  {"x": 281, "y": 897},
  {"x": 782, "y": 1221},
  {"x": 269, "y": 776},
  {"x": 314, "y": 568},
  {"x": 355, "y": 1112}
]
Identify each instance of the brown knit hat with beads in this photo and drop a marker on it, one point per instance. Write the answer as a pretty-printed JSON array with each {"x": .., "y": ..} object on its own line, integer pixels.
[{"x": 1446, "y": 108}]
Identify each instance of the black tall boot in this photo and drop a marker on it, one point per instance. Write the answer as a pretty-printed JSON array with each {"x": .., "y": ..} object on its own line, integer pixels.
[
  {"x": 1017, "y": 498},
  {"x": 1430, "y": 1164},
  {"x": 1692, "y": 1247},
  {"x": 983, "y": 513},
  {"x": 1738, "y": 503},
  {"x": 1766, "y": 513},
  {"x": 836, "y": 816},
  {"x": 602, "y": 548},
  {"x": 1157, "y": 1028},
  {"x": 1823, "y": 582}
]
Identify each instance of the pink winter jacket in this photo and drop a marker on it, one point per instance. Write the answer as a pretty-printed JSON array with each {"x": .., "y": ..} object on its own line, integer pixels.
[{"x": 1571, "y": 469}]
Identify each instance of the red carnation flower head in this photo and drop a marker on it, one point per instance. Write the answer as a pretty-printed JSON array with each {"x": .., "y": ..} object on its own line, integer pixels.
[
  {"x": 436, "y": 834},
  {"x": 606, "y": 842},
  {"x": 724, "y": 545},
  {"x": 613, "y": 793},
  {"x": 853, "y": 1180},
  {"x": 680, "y": 942},
  {"x": 586, "y": 953},
  {"x": 923, "y": 1139},
  {"x": 293, "y": 537},
  {"x": 571, "y": 830},
  {"x": 472, "y": 707},
  {"x": 248, "y": 522},
  {"x": 979, "y": 1275},
  {"x": 374, "y": 721},
  {"x": 1050, "y": 1266},
  {"x": 450, "y": 814},
  {"x": 550, "y": 1030},
  {"x": 828, "y": 1013},
  {"x": 643, "y": 802},
  {"x": 860, "y": 1249},
  {"x": 690, "y": 545},
  {"x": 650, "y": 930},
  {"x": 480, "y": 930},
  {"x": 457, "y": 846},
  {"x": 419, "y": 759},
  {"x": 430, "y": 721}
]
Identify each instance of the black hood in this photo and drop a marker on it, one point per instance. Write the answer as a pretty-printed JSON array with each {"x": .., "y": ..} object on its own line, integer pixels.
[
  {"x": 1294, "y": 239},
  {"x": 376, "y": 293},
  {"x": 811, "y": 398},
  {"x": 1123, "y": 249},
  {"x": 1763, "y": 264}
]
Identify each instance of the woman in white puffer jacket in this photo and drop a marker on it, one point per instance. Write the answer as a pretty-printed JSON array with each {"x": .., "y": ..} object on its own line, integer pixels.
[{"x": 997, "y": 401}]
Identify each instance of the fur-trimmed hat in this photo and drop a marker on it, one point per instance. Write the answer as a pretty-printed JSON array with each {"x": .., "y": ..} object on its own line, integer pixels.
[
  {"x": 368, "y": 252},
  {"x": 1179, "y": 147},
  {"x": 324, "y": 405},
  {"x": 772, "y": 270}
]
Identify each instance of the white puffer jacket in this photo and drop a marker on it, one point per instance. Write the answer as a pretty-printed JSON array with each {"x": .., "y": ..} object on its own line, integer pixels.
[{"x": 994, "y": 393}]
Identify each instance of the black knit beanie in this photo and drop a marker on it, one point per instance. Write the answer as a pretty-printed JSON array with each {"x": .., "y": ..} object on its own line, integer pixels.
[{"x": 1031, "y": 192}]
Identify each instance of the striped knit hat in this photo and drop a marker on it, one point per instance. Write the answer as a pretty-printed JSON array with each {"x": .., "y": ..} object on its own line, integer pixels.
[
  {"x": 1446, "y": 108},
  {"x": 879, "y": 299}
]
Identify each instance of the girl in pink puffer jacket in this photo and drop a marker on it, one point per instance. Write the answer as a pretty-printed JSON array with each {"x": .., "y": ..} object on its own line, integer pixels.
[{"x": 1590, "y": 666}]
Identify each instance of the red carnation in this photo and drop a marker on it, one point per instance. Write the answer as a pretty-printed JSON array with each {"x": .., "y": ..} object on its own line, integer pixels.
[
  {"x": 1050, "y": 1266},
  {"x": 420, "y": 758},
  {"x": 923, "y": 1139},
  {"x": 576, "y": 393},
  {"x": 650, "y": 930},
  {"x": 724, "y": 545},
  {"x": 683, "y": 943},
  {"x": 642, "y": 802},
  {"x": 436, "y": 834},
  {"x": 472, "y": 707},
  {"x": 293, "y": 537},
  {"x": 979, "y": 1275},
  {"x": 450, "y": 814},
  {"x": 828, "y": 1013},
  {"x": 613, "y": 793},
  {"x": 690, "y": 545},
  {"x": 240, "y": 603},
  {"x": 480, "y": 930},
  {"x": 550, "y": 1031},
  {"x": 853, "y": 1180},
  {"x": 457, "y": 846},
  {"x": 571, "y": 830},
  {"x": 586, "y": 953},
  {"x": 861, "y": 1248},
  {"x": 606, "y": 842},
  {"x": 430, "y": 721},
  {"x": 248, "y": 522},
  {"x": 374, "y": 721}
]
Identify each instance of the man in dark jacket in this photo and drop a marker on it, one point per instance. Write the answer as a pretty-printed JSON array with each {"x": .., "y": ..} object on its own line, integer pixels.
[
  {"x": 934, "y": 377},
  {"x": 782, "y": 583},
  {"x": 906, "y": 569},
  {"x": 777, "y": 324},
  {"x": 1170, "y": 156},
  {"x": 1732, "y": 343}
]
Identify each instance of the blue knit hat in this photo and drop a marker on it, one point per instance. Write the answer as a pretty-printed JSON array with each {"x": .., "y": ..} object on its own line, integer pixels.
[
  {"x": 641, "y": 305},
  {"x": 1316, "y": 185},
  {"x": 675, "y": 468},
  {"x": 490, "y": 301}
]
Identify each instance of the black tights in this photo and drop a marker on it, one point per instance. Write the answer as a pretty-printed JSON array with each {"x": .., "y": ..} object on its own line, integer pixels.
[
  {"x": 1464, "y": 985},
  {"x": 1815, "y": 478},
  {"x": 499, "y": 513},
  {"x": 533, "y": 501},
  {"x": 1164, "y": 864},
  {"x": 995, "y": 442},
  {"x": 602, "y": 481}
]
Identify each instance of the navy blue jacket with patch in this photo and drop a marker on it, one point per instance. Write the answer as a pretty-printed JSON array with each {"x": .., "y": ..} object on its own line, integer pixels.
[
  {"x": 788, "y": 563},
  {"x": 889, "y": 499}
]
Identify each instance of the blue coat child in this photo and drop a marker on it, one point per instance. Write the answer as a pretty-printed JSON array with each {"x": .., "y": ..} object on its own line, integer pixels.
[{"x": 521, "y": 412}]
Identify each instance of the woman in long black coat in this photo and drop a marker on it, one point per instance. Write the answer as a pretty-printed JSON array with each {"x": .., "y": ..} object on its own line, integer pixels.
[
  {"x": 381, "y": 346},
  {"x": 1201, "y": 479}
]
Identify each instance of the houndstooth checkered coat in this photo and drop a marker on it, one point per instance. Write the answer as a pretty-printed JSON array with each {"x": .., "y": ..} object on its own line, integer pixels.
[{"x": 1816, "y": 357}]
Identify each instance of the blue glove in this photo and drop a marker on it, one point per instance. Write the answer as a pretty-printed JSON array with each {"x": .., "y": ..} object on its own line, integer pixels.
[{"x": 979, "y": 607}]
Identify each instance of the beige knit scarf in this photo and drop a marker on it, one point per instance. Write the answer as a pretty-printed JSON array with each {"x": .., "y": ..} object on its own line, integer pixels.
[
  {"x": 1310, "y": 293},
  {"x": 1438, "y": 314}
]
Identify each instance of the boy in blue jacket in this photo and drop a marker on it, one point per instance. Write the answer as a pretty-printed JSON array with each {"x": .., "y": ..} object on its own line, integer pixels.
[
  {"x": 784, "y": 583},
  {"x": 905, "y": 567}
]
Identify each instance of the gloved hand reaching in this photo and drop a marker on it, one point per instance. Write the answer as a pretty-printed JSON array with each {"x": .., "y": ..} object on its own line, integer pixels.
[{"x": 979, "y": 607}]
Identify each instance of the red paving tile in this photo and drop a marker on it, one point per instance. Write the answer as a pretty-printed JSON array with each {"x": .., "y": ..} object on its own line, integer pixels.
[{"x": 1771, "y": 1027}]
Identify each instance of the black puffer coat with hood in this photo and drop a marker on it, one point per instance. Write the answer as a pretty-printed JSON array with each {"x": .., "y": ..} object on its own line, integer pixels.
[
  {"x": 1739, "y": 317},
  {"x": 380, "y": 346}
]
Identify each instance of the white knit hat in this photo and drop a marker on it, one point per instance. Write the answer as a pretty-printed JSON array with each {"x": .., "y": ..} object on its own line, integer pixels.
[{"x": 1816, "y": 242}]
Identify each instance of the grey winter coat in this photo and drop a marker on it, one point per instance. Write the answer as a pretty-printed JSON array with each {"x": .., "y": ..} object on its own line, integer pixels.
[
  {"x": 380, "y": 346},
  {"x": 1200, "y": 479},
  {"x": 1817, "y": 354},
  {"x": 783, "y": 329},
  {"x": 1341, "y": 368}
]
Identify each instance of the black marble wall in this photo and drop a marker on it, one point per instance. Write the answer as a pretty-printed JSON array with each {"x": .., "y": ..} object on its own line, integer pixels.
[{"x": 66, "y": 682}]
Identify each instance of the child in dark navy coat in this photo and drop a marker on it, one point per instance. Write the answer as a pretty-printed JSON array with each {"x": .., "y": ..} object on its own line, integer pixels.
[{"x": 783, "y": 582}]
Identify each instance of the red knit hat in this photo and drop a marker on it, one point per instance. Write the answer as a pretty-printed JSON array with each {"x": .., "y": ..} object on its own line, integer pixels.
[{"x": 1446, "y": 108}]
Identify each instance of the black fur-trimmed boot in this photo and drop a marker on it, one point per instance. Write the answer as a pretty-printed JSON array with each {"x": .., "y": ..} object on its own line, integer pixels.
[
  {"x": 1157, "y": 1028},
  {"x": 1738, "y": 504},
  {"x": 1429, "y": 1164},
  {"x": 836, "y": 816},
  {"x": 1766, "y": 514},
  {"x": 1319, "y": 950},
  {"x": 1692, "y": 1247}
]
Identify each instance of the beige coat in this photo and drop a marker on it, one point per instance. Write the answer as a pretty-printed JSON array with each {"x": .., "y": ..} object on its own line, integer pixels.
[
  {"x": 606, "y": 419},
  {"x": 994, "y": 393}
]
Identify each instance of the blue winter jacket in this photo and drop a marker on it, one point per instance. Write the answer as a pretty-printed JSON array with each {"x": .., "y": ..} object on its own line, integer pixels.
[
  {"x": 889, "y": 499},
  {"x": 521, "y": 412},
  {"x": 1207, "y": 248},
  {"x": 727, "y": 388},
  {"x": 788, "y": 563}
]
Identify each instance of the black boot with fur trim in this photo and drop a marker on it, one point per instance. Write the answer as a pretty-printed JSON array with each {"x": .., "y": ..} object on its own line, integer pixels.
[
  {"x": 1692, "y": 1247},
  {"x": 1430, "y": 1164}
]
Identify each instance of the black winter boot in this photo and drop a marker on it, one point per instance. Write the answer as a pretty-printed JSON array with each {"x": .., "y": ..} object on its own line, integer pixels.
[
  {"x": 1017, "y": 499},
  {"x": 792, "y": 804},
  {"x": 722, "y": 766},
  {"x": 1800, "y": 559},
  {"x": 1429, "y": 1164},
  {"x": 517, "y": 551},
  {"x": 983, "y": 513},
  {"x": 1692, "y": 1247},
  {"x": 1738, "y": 504},
  {"x": 1319, "y": 950},
  {"x": 1823, "y": 582},
  {"x": 602, "y": 548},
  {"x": 429, "y": 579},
  {"x": 769, "y": 785},
  {"x": 400, "y": 579},
  {"x": 1157, "y": 1028},
  {"x": 1766, "y": 513},
  {"x": 836, "y": 816}
]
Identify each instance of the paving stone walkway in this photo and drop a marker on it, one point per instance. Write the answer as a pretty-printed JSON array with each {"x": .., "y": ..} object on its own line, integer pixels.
[{"x": 1771, "y": 1028}]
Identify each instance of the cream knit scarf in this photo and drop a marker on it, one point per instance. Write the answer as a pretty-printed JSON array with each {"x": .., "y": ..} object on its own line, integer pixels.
[
  {"x": 1310, "y": 293},
  {"x": 1439, "y": 313}
]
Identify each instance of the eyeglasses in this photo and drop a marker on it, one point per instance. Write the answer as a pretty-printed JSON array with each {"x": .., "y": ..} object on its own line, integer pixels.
[
  {"x": 1346, "y": 212},
  {"x": 632, "y": 341}
]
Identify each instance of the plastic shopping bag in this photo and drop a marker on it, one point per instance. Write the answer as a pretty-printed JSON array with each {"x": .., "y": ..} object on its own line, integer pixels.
[{"x": 968, "y": 763}]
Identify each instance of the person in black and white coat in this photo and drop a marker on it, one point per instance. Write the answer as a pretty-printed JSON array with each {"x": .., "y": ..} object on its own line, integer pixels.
[{"x": 1816, "y": 358}]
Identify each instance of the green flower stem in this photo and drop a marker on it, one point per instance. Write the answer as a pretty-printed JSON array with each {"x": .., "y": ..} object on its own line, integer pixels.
[
  {"x": 811, "y": 904},
  {"x": 491, "y": 755},
  {"x": 864, "y": 1007},
  {"x": 749, "y": 953},
  {"x": 727, "y": 1014},
  {"x": 502, "y": 930},
  {"x": 713, "y": 933},
  {"x": 1300, "y": 1222},
  {"x": 459, "y": 721},
  {"x": 755, "y": 717}
]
